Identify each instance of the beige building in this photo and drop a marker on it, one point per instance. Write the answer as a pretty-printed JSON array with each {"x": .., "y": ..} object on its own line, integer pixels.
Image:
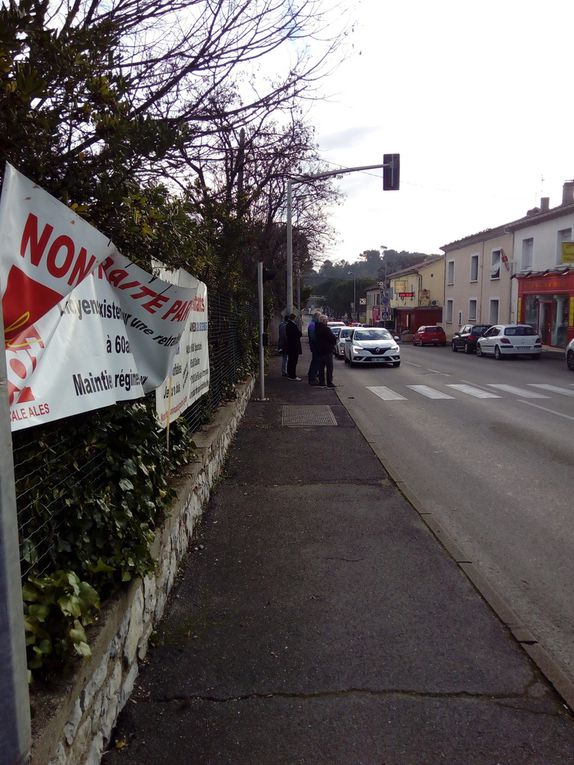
[
  {"x": 417, "y": 294},
  {"x": 477, "y": 280}
]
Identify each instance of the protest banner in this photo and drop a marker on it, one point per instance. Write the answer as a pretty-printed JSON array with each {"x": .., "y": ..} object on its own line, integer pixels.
[
  {"x": 189, "y": 376},
  {"x": 84, "y": 327}
]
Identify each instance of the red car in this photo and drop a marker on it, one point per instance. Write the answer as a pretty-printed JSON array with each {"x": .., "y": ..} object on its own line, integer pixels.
[{"x": 429, "y": 336}]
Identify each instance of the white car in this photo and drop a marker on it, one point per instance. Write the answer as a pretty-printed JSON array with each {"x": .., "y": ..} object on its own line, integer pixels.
[
  {"x": 570, "y": 355},
  {"x": 503, "y": 340},
  {"x": 340, "y": 346},
  {"x": 372, "y": 345}
]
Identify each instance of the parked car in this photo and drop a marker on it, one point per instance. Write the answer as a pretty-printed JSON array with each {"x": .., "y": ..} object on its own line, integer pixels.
[
  {"x": 466, "y": 337},
  {"x": 407, "y": 336},
  {"x": 340, "y": 346},
  {"x": 372, "y": 345},
  {"x": 332, "y": 324},
  {"x": 509, "y": 340},
  {"x": 570, "y": 355},
  {"x": 336, "y": 330},
  {"x": 429, "y": 336}
]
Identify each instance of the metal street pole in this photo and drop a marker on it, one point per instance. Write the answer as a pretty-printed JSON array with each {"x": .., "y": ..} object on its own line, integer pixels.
[
  {"x": 304, "y": 179},
  {"x": 261, "y": 333},
  {"x": 289, "y": 306},
  {"x": 15, "y": 728},
  {"x": 355, "y": 296}
]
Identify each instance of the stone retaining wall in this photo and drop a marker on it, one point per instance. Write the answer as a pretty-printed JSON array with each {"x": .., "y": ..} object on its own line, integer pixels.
[{"x": 73, "y": 726}]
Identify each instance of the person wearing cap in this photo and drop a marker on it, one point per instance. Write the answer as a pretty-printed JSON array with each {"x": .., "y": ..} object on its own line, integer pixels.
[
  {"x": 282, "y": 344},
  {"x": 325, "y": 345}
]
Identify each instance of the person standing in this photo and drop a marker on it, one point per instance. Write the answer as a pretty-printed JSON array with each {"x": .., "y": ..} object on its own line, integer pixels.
[
  {"x": 293, "y": 340},
  {"x": 282, "y": 344},
  {"x": 314, "y": 365},
  {"x": 325, "y": 345}
]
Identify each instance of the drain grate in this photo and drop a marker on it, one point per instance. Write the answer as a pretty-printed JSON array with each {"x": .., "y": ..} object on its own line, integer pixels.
[{"x": 307, "y": 416}]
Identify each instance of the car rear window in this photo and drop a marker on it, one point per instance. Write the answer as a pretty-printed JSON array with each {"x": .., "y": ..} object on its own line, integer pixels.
[
  {"x": 519, "y": 331},
  {"x": 433, "y": 330}
]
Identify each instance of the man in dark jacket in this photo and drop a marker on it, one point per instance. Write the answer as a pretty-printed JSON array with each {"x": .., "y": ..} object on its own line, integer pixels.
[
  {"x": 325, "y": 344},
  {"x": 293, "y": 343}
]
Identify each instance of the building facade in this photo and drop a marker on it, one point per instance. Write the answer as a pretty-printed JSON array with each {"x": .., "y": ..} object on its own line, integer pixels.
[
  {"x": 417, "y": 294},
  {"x": 477, "y": 286},
  {"x": 543, "y": 269}
]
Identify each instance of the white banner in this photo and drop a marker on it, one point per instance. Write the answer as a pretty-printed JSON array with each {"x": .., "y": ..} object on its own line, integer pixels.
[
  {"x": 84, "y": 327},
  {"x": 189, "y": 377}
]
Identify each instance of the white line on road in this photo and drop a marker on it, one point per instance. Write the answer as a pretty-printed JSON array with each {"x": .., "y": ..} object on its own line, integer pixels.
[
  {"x": 425, "y": 390},
  {"x": 553, "y": 388},
  {"x": 517, "y": 391},
  {"x": 386, "y": 393},
  {"x": 472, "y": 391},
  {"x": 545, "y": 409}
]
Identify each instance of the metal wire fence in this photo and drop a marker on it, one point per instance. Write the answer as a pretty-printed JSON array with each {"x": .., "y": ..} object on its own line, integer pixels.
[{"x": 58, "y": 467}]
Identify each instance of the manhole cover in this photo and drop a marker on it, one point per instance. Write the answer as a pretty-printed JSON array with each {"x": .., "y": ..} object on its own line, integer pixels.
[{"x": 307, "y": 416}]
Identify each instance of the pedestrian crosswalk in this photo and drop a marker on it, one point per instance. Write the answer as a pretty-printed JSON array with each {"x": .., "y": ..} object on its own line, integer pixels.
[{"x": 453, "y": 391}]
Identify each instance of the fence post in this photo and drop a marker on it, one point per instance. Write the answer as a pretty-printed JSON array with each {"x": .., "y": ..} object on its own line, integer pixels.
[{"x": 15, "y": 727}]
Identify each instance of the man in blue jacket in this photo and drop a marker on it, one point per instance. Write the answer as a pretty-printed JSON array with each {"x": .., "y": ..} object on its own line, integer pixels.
[{"x": 314, "y": 365}]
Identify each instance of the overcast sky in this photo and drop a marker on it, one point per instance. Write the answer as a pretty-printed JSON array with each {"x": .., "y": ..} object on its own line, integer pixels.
[{"x": 478, "y": 100}]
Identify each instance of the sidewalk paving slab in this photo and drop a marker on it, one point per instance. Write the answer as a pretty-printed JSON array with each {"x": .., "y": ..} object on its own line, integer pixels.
[{"x": 318, "y": 620}]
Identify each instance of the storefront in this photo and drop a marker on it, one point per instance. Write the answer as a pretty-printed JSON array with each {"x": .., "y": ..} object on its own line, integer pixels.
[{"x": 546, "y": 301}]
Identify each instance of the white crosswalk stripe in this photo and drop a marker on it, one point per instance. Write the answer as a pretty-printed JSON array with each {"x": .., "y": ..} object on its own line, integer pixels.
[
  {"x": 470, "y": 390},
  {"x": 553, "y": 388},
  {"x": 434, "y": 393},
  {"x": 386, "y": 393},
  {"x": 524, "y": 392},
  {"x": 429, "y": 392}
]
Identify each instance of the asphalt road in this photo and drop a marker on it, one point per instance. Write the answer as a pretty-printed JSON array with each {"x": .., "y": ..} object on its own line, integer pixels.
[{"x": 488, "y": 451}]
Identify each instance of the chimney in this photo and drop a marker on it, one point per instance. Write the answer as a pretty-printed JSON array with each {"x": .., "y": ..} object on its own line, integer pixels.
[
  {"x": 568, "y": 193},
  {"x": 544, "y": 204}
]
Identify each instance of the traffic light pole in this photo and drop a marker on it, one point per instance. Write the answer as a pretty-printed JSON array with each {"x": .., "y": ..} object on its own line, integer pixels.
[{"x": 391, "y": 169}]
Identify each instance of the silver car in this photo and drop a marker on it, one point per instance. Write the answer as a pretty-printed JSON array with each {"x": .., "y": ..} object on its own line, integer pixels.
[
  {"x": 570, "y": 355},
  {"x": 372, "y": 345},
  {"x": 340, "y": 346}
]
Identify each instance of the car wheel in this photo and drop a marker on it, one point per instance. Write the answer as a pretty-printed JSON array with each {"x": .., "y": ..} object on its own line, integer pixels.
[
  {"x": 570, "y": 360},
  {"x": 346, "y": 360},
  {"x": 497, "y": 353},
  {"x": 396, "y": 363},
  {"x": 454, "y": 348},
  {"x": 467, "y": 348}
]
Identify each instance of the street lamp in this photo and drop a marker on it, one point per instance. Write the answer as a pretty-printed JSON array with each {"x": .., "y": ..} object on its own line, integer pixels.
[
  {"x": 354, "y": 313},
  {"x": 390, "y": 165}
]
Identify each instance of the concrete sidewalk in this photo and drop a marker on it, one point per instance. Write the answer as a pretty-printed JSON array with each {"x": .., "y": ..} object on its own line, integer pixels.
[{"x": 317, "y": 620}]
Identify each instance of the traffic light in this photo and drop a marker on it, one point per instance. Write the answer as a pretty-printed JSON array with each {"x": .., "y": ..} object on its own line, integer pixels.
[{"x": 391, "y": 172}]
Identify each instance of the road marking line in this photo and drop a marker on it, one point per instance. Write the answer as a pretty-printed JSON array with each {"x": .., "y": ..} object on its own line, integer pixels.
[
  {"x": 553, "y": 388},
  {"x": 472, "y": 391},
  {"x": 425, "y": 390},
  {"x": 386, "y": 393},
  {"x": 516, "y": 391},
  {"x": 545, "y": 409}
]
